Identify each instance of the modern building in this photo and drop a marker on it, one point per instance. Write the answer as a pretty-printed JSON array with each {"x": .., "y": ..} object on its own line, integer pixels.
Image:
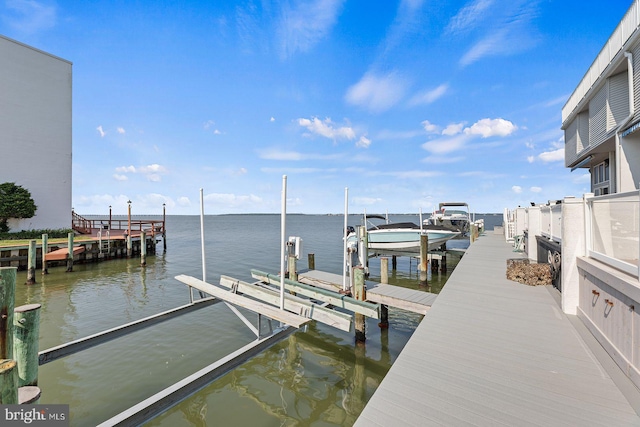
[
  {"x": 35, "y": 131},
  {"x": 601, "y": 118}
]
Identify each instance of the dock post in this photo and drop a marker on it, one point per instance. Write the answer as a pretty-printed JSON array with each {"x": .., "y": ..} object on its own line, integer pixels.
[
  {"x": 424, "y": 259},
  {"x": 424, "y": 252},
  {"x": 143, "y": 249},
  {"x": 164, "y": 228},
  {"x": 70, "y": 253},
  {"x": 394, "y": 263},
  {"x": 311, "y": 261},
  {"x": 7, "y": 301},
  {"x": 26, "y": 333},
  {"x": 365, "y": 244},
  {"x": 359, "y": 293},
  {"x": 292, "y": 267},
  {"x": 443, "y": 263},
  {"x": 45, "y": 249},
  {"x": 129, "y": 246},
  {"x": 31, "y": 263},
  {"x": 8, "y": 382},
  {"x": 384, "y": 279}
]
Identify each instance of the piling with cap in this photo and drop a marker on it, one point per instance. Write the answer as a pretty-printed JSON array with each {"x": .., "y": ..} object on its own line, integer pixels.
[
  {"x": 45, "y": 249},
  {"x": 70, "y": 253},
  {"x": 384, "y": 279},
  {"x": 26, "y": 333},
  {"x": 7, "y": 301}
]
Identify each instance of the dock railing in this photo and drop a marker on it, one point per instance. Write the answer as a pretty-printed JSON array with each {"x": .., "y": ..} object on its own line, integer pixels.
[
  {"x": 613, "y": 230},
  {"x": 84, "y": 225}
]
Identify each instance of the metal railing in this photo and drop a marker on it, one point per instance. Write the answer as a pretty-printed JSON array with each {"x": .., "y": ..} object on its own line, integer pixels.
[{"x": 613, "y": 230}]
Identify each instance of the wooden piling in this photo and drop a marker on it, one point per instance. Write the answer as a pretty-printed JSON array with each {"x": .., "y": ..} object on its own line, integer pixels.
[
  {"x": 384, "y": 270},
  {"x": 292, "y": 267},
  {"x": 70, "y": 253},
  {"x": 359, "y": 293},
  {"x": 31, "y": 263},
  {"x": 443, "y": 264},
  {"x": 129, "y": 246},
  {"x": 365, "y": 245},
  {"x": 7, "y": 301},
  {"x": 424, "y": 251},
  {"x": 45, "y": 249},
  {"x": 26, "y": 333},
  {"x": 384, "y": 279},
  {"x": 394, "y": 263},
  {"x": 8, "y": 382},
  {"x": 143, "y": 249},
  {"x": 311, "y": 261}
]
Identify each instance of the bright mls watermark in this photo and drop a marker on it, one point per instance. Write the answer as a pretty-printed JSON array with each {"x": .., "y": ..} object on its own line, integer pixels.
[{"x": 34, "y": 415}]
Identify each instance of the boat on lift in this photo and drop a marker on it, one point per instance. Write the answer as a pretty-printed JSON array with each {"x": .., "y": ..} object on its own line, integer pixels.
[
  {"x": 401, "y": 238},
  {"x": 450, "y": 216}
]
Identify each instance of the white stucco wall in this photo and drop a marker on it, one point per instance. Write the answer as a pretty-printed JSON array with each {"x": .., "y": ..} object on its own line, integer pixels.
[{"x": 35, "y": 131}]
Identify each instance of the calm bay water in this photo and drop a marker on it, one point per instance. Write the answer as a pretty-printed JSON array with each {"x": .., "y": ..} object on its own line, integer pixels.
[{"x": 317, "y": 376}]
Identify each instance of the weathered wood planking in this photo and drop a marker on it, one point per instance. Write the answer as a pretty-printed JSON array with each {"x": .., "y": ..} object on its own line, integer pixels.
[
  {"x": 321, "y": 279},
  {"x": 342, "y": 321},
  {"x": 235, "y": 299},
  {"x": 62, "y": 253},
  {"x": 333, "y": 298},
  {"x": 407, "y": 299}
]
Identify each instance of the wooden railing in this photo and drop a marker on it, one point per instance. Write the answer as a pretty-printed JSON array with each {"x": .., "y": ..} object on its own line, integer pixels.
[{"x": 86, "y": 226}]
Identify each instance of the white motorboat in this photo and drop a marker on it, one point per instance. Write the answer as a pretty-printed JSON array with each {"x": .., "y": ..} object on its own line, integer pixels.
[
  {"x": 402, "y": 238},
  {"x": 450, "y": 216}
]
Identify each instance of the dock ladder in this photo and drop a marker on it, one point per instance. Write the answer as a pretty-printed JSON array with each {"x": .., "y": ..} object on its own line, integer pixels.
[{"x": 104, "y": 245}]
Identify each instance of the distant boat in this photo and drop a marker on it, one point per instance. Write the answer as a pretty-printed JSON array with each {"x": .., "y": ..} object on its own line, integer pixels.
[
  {"x": 402, "y": 238},
  {"x": 451, "y": 219}
]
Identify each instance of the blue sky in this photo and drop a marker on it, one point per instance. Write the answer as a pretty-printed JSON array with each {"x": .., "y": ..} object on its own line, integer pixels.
[{"x": 407, "y": 103}]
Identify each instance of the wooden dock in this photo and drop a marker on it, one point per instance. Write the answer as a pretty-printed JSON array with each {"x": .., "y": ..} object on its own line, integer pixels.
[
  {"x": 495, "y": 352},
  {"x": 393, "y": 296}
]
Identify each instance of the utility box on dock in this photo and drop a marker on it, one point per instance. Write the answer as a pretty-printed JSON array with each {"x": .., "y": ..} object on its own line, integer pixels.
[{"x": 296, "y": 246}]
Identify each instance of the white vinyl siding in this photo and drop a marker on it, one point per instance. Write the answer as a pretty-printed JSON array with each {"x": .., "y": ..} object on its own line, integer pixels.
[
  {"x": 598, "y": 117},
  {"x": 583, "y": 130},
  {"x": 618, "y": 100},
  {"x": 571, "y": 143}
]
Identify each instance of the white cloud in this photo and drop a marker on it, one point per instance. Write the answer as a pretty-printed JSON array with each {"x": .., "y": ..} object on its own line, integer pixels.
[
  {"x": 101, "y": 132},
  {"x": 325, "y": 128},
  {"x": 121, "y": 130},
  {"x": 29, "y": 16},
  {"x": 468, "y": 17},
  {"x": 516, "y": 189},
  {"x": 552, "y": 156},
  {"x": 184, "y": 201},
  {"x": 363, "y": 142},
  {"x": 154, "y": 168},
  {"x": 442, "y": 159},
  {"x": 304, "y": 23},
  {"x": 535, "y": 189},
  {"x": 119, "y": 177},
  {"x": 491, "y": 127},
  {"x": 430, "y": 96},
  {"x": 430, "y": 127},
  {"x": 531, "y": 159},
  {"x": 446, "y": 144},
  {"x": 124, "y": 169},
  {"x": 453, "y": 129},
  {"x": 272, "y": 119},
  {"x": 377, "y": 93}
]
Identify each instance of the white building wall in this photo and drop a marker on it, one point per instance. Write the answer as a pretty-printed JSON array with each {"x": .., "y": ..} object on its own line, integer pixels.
[
  {"x": 35, "y": 131},
  {"x": 629, "y": 162}
]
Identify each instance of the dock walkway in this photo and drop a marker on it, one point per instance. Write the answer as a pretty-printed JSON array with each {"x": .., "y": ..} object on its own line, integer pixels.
[
  {"x": 394, "y": 296},
  {"x": 495, "y": 352}
]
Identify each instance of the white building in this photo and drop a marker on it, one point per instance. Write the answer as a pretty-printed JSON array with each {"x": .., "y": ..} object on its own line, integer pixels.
[
  {"x": 602, "y": 116},
  {"x": 35, "y": 131}
]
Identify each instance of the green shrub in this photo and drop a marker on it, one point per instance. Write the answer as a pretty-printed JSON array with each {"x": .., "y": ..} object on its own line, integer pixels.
[{"x": 36, "y": 234}]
